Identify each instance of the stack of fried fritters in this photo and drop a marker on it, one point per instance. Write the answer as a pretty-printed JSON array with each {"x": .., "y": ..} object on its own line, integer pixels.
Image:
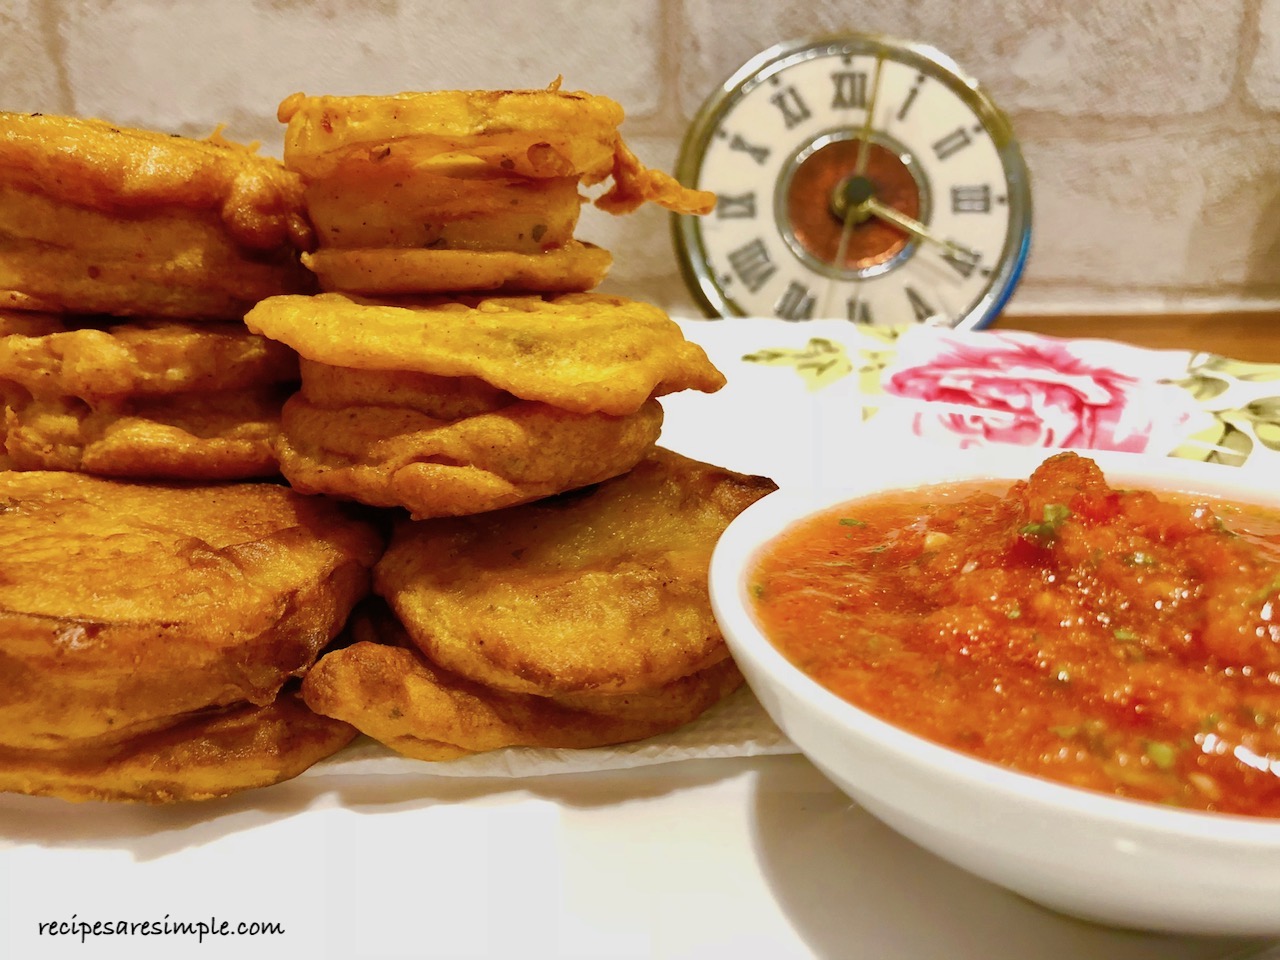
[
  {"x": 456, "y": 407},
  {"x": 153, "y": 627},
  {"x": 141, "y": 398},
  {"x": 97, "y": 218},
  {"x": 491, "y": 418},
  {"x": 148, "y": 633},
  {"x": 127, "y": 261},
  {"x": 455, "y": 190},
  {"x": 546, "y": 582},
  {"x": 575, "y": 621}
]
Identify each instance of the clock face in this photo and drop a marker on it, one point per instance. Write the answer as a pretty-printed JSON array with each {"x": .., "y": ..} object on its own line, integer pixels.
[{"x": 858, "y": 177}]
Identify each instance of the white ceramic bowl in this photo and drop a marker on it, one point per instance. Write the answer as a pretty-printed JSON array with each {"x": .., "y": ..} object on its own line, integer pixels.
[{"x": 1106, "y": 859}]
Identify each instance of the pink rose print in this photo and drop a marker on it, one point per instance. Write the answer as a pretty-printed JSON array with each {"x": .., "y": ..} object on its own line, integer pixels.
[{"x": 1030, "y": 391}]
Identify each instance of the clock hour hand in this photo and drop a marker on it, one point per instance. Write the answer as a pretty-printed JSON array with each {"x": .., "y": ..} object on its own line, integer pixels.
[{"x": 915, "y": 228}]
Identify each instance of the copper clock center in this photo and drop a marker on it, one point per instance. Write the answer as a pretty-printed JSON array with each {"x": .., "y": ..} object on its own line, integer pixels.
[{"x": 822, "y": 189}]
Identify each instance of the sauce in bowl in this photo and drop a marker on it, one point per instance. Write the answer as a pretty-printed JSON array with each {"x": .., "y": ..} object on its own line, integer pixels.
[{"x": 1117, "y": 640}]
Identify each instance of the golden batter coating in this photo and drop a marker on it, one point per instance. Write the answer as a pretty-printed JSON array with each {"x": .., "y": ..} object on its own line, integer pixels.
[
  {"x": 214, "y": 435},
  {"x": 529, "y": 133},
  {"x": 406, "y": 203},
  {"x": 124, "y": 605},
  {"x": 102, "y": 166},
  {"x": 208, "y": 755},
  {"x": 585, "y": 353},
  {"x": 570, "y": 268},
  {"x": 97, "y": 218},
  {"x": 441, "y": 398},
  {"x": 400, "y": 698},
  {"x": 602, "y": 591},
  {"x": 48, "y": 355},
  {"x": 399, "y": 456}
]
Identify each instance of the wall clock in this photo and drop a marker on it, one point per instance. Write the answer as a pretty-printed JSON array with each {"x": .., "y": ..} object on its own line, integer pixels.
[{"x": 859, "y": 177}]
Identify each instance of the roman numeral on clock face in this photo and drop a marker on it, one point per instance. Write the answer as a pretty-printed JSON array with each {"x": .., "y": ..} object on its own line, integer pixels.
[
  {"x": 964, "y": 260},
  {"x": 910, "y": 98},
  {"x": 796, "y": 302},
  {"x": 971, "y": 199},
  {"x": 751, "y": 264},
  {"x": 736, "y": 206},
  {"x": 954, "y": 141},
  {"x": 794, "y": 109},
  {"x": 759, "y": 154},
  {"x": 850, "y": 90},
  {"x": 919, "y": 305}
]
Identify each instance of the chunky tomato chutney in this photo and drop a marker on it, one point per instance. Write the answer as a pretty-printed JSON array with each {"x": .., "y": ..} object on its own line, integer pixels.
[{"x": 1114, "y": 639}]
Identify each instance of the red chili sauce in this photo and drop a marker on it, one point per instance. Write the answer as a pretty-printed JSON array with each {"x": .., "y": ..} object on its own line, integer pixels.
[{"x": 1106, "y": 638}]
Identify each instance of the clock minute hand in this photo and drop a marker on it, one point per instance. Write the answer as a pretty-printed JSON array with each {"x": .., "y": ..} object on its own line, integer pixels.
[
  {"x": 914, "y": 227},
  {"x": 852, "y": 214},
  {"x": 864, "y": 136}
]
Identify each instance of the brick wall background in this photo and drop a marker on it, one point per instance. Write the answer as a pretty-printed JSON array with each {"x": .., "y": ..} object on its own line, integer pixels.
[{"x": 1152, "y": 128}]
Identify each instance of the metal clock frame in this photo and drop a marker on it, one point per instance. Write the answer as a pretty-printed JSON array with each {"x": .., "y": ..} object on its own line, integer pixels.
[{"x": 686, "y": 233}]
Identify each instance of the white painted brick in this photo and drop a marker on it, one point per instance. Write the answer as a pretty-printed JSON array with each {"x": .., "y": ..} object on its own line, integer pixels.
[
  {"x": 28, "y": 77},
  {"x": 184, "y": 65},
  {"x": 1139, "y": 59},
  {"x": 603, "y": 48},
  {"x": 1158, "y": 211},
  {"x": 1263, "y": 79}
]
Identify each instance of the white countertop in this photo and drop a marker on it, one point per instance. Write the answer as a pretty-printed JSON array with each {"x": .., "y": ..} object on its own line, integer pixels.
[{"x": 729, "y": 858}]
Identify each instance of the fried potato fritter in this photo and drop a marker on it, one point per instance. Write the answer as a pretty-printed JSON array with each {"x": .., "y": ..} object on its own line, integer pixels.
[
  {"x": 601, "y": 591},
  {"x": 399, "y": 456},
  {"x": 527, "y": 133},
  {"x": 205, "y": 756},
  {"x": 453, "y": 191},
  {"x": 101, "y": 166},
  {"x": 585, "y": 353},
  {"x": 86, "y": 358},
  {"x": 571, "y": 268},
  {"x": 395, "y": 695},
  {"x": 215, "y": 435},
  {"x": 96, "y": 218},
  {"x": 404, "y": 205},
  {"x": 124, "y": 605},
  {"x": 149, "y": 399}
]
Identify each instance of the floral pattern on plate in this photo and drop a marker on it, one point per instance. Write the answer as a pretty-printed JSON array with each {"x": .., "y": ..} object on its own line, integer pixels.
[{"x": 969, "y": 388}]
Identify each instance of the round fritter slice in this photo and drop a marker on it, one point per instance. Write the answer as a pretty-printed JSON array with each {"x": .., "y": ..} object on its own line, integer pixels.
[
  {"x": 528, "y": 133},
  {"x": 603, "y": 590},
  {"x": 91, "y": 358},
  {"x": 194, "y": 284},
  {"x": 400, "y": 698},
  {"x": 442, "y": 398},
  {"x": 97, "y": 218},
  {"x": 585, "y": 353},
  {"x": 198, "y": 758},
  {"x": 220, "y": 435},
  {"x": 122, "y": 604},
  {"x": 525, "y": 133},
  {"x": 98, "y": 165},
  {"x": 570, "y": 268},
  {"x": 399, "y": 456},
  {"x": 385, "y": 203}
]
